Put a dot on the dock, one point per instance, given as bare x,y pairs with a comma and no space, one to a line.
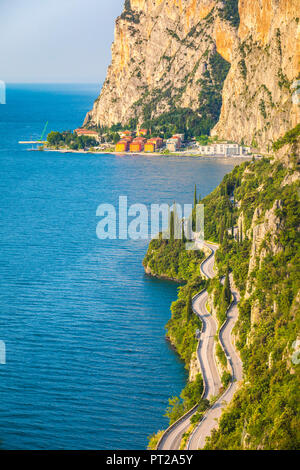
32,142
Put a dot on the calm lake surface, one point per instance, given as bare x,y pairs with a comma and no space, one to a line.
87,363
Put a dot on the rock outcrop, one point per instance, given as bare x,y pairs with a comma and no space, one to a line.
263,235
259,100
176,54
165,54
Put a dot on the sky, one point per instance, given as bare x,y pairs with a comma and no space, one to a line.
56,41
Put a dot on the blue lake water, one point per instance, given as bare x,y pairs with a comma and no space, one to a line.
87,366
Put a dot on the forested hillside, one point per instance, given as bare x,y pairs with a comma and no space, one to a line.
254,216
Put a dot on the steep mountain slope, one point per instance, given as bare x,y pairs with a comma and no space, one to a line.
181,59
168,55
258,203
257,96
265,264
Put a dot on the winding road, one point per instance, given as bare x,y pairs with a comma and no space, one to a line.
209,421
171,439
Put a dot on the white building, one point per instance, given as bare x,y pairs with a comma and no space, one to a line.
173,144
224,149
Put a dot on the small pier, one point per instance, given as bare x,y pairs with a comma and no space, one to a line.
42,142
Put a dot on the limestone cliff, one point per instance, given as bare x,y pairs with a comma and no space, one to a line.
166,55
258,105
171,55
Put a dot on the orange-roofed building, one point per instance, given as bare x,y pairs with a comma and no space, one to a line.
87,133
136,146
142,132
128,139
150,147
180,136
122,146
158,141
124,134
178,139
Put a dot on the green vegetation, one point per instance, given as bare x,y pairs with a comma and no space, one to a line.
181,328
243,68
278,41
130,15
226,378
203,406
154,439
185,120
70,140
226,294
283,81
230,12
210,97
127,5
290,137
178,120
170,259
206,140
221,355
190,396
265,411
262,108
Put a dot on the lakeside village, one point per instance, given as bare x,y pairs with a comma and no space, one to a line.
141,142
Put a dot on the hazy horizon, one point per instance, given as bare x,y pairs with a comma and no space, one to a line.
54,83
56,41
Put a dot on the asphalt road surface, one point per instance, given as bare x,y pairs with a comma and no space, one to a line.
173,436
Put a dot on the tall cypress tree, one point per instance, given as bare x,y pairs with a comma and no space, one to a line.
232,226
225,239
189,307
221,232
194,212
172,230
169,223
226,288
183,237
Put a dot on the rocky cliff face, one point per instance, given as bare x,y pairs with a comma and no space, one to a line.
176,54
166,54
265,226
257,96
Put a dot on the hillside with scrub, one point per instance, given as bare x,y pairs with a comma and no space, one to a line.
254,217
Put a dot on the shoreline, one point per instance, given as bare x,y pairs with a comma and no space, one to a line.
146,154
162,277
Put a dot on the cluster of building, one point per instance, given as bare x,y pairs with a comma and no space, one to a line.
224,149
139,143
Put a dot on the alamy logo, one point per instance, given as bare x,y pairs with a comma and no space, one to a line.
136,222
2,92
2,353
